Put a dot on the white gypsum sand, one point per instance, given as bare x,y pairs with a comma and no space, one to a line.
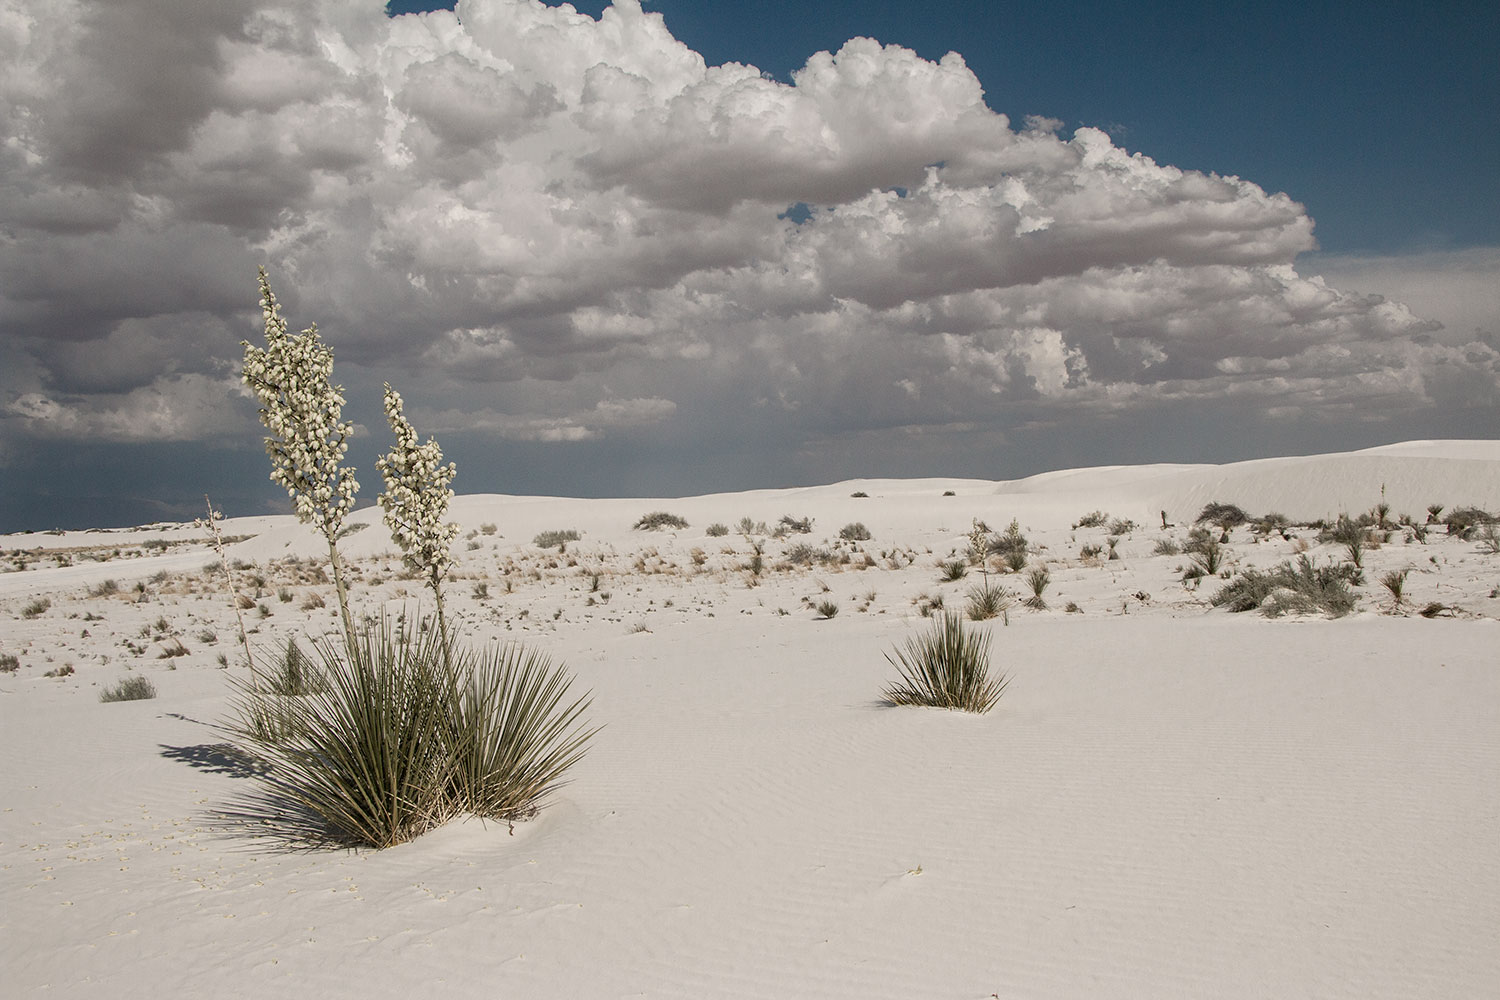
1169,800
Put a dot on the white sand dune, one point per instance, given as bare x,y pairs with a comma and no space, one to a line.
1169,801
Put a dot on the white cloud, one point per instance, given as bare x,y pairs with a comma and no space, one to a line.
584,217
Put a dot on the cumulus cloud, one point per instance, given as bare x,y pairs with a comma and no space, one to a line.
582,218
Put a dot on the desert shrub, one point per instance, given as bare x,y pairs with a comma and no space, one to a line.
66,670
1037,580
1464,521
1435,608
36,608
284,595
1166,547
556,539
171,649
1198,539
717,530
402,738
1121,526
657,520
132,688
827,609
1434,512
1489,539
104,588
1093,519
803,554
487,529
794,525
1273,522
946,668
1010,541
312,601
1090,552
985,602
9,663
855,531
1208,559
860,495
949,493
952,570
1395,583
1303,588
1225,515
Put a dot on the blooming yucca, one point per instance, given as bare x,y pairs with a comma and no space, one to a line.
308,437
416,500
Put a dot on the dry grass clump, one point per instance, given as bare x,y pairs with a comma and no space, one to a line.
855,531
657,520
408,731
132,688
946,668
556,539
1300,589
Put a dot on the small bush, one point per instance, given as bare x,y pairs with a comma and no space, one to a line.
657,520
985,602
132,688
9,663
171,649
953,570
1208,558
1395,583
412,730
556,539
1464,521
1090,552
487,529
284,595
795,525
104,588
36,608
312,602
1166,547
855,531
860,495
1291,589
717,530
1489,539
1037,580
1093,519
947,668
1121,527
827,609
1225,515
1011,542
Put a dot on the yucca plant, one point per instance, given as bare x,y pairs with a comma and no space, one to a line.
986,602
1395,583
946,668
403,738
1038,579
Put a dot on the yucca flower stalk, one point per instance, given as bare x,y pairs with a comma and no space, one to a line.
415,501
303,410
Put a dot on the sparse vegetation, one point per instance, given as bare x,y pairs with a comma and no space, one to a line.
946,668
657,520
1303,588
1038,580
1225,515
827,609
1166,547
854,532
556,539
953,570
1395,583
986,602
133,688
1093,519
717,530
9,663
401,739
36,608
795,525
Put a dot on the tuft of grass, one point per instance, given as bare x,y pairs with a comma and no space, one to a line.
1395,583
827,609
1207,558
104,588
1303,588
132,688
1037,580
1093,519
986,602
657,520
952,570
36,608
946,668
556,539
411,730
1166,547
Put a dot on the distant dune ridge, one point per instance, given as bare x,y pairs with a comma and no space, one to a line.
1169,799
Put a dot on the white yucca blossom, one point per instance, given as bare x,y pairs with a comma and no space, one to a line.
303,411
416,497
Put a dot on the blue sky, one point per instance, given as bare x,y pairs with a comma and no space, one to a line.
597,260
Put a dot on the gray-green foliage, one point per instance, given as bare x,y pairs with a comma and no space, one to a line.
133,688
947,667
657,520
402,738
986,602
555,539
855,531
1303,588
